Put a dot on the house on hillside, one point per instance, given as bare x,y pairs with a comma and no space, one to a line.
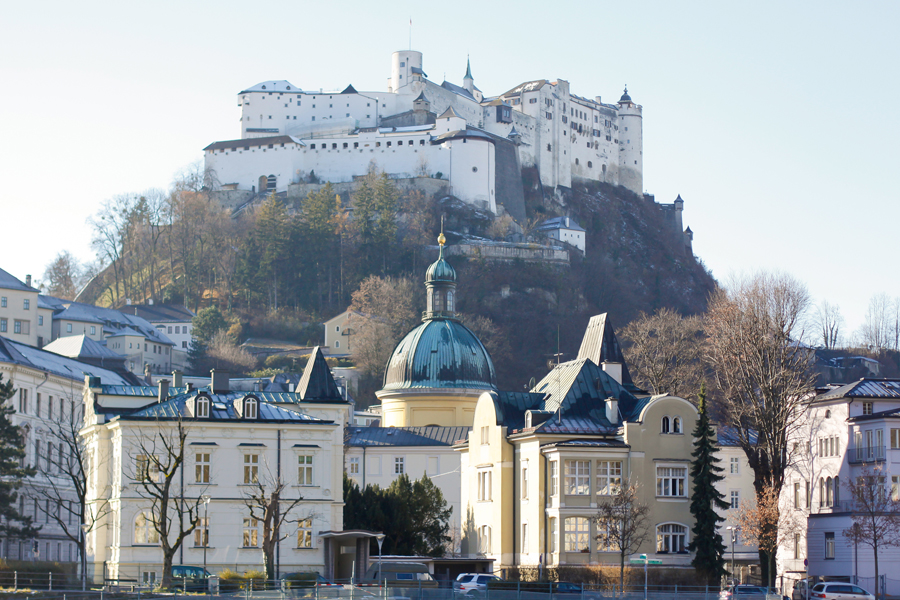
19,310
564,229
339,332
174,320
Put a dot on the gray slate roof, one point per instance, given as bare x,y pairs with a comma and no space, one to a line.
864,388
160,313
81,346
560,223
112,320
221,409
404,436
457,90
9,282
146,391
29,356
600,344
317,384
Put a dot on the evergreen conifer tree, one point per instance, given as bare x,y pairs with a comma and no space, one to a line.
706,543
12,455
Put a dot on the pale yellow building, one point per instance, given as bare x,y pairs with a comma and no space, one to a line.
537,464
18,309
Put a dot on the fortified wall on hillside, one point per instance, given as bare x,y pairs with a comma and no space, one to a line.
479,144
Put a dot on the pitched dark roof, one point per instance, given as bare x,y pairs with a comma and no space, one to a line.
82,347
29,356
350,90
457,90
404,436
160,313
221,409
450,112
610,443
600,344
468,70
9,282
864,388
421,96
246,143
317,384
883,414
560,223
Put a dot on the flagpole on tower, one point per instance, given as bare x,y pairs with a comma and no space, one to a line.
410,33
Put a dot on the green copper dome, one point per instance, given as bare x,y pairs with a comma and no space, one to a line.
440,353
440,270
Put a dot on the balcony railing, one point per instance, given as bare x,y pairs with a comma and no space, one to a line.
866,454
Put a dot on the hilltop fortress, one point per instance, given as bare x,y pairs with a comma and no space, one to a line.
478,145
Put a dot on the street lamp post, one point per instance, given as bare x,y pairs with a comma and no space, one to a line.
205,499
733,531
380,538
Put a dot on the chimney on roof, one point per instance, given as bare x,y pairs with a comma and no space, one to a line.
190,386
614,370
28,280
220,381
163,390
177,381
612,410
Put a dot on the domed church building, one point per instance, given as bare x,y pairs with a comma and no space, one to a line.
438,371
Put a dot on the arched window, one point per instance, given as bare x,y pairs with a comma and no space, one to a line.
590,165
250,408
202,407
438,301
829,492
144,532
837,490
450,300
822,491
665,425
271,183
676,425
671,537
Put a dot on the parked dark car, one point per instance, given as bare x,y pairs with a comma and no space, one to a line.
185,577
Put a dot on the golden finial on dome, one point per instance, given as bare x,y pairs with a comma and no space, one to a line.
441,239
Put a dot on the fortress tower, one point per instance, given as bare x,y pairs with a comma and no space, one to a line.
631,145
404,64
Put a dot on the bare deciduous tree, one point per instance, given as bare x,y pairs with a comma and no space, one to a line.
389,309
623,524
762,369
665,352
877,330
267,505
63,486
63,277
158,455
875,514
829,321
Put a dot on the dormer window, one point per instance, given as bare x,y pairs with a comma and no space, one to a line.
202,407
250,408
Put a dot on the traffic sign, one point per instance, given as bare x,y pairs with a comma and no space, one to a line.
640,561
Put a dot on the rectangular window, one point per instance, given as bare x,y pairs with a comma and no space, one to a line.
524,538
251,469
304,533
829,545
37,404
201,533
3,301
93,330
895,488
525,483
808,494
554,477
554,534
735,499
578,534
797,494
670,481
735,465
399,465
609,477
40,320
354,465
895,439
305,469
796,545
578,477
26,304
867,408
201,468
484,485
251,532
3,325
671,538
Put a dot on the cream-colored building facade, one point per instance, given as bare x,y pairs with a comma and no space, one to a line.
537,464
18,309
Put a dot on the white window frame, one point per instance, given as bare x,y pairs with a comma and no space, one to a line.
735,465
144,532
667,538
525,481
578,477
354,465
554,478
250,533
305,533
399,465
485,476
484,539
202,465
251,468
306,469
201,531
202,404
554,534
609,477
577,535
671,479
735,499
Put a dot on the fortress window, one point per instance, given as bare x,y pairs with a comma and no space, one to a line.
334,146
270,116
348,114
331,106
548,147
378,144
356,144
313,118
312,146
421,142
389,144
474,169
402,64
590,165
345,144
576,161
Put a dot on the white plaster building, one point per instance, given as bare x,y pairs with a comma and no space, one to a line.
233,439
846,431
737,487
564,229
172,320
287,134
48,391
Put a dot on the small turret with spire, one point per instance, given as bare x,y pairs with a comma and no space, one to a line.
468,80
440,283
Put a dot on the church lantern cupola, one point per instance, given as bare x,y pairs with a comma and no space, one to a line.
440,283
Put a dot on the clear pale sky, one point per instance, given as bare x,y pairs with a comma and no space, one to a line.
777,122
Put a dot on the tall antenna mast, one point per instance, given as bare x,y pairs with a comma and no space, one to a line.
410,33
